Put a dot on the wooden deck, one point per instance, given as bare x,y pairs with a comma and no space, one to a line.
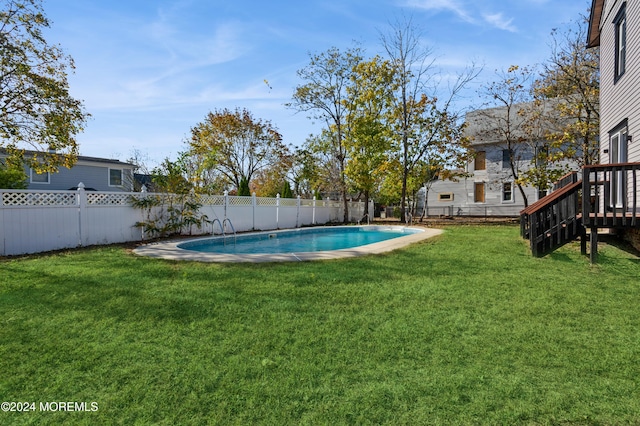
606,197
613,195
618,220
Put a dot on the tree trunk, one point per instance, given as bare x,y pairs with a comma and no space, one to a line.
403,210
366,203
405,176
524,196
425,205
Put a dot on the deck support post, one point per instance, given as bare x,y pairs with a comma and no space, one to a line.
583,241
593,258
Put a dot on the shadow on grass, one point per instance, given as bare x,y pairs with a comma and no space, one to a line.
621,244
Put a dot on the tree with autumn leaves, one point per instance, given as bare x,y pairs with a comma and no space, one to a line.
368,142
323,95
572,76
37,112
237,146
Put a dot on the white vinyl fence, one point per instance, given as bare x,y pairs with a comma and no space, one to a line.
37,221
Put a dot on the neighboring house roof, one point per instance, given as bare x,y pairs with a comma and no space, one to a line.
593,34
488,125
104,160
80,158
102,174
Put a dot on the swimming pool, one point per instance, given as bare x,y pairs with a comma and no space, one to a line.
298,240
324,242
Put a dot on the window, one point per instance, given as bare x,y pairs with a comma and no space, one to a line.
618,150
445,196
480,161
620,23
542,155
506,159
40,177
507,191
542,193
115,177
478,193
618,143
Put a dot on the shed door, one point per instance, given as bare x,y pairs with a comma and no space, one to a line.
479,193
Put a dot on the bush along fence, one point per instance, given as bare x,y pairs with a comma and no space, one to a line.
37,221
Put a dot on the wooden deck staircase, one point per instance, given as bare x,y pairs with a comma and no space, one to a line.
556,219
607,197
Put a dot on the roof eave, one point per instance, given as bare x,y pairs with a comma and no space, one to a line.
593,34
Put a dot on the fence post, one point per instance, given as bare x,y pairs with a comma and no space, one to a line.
226,203
143,190
298,212
254,204
3,247
313,211
82,214
278,211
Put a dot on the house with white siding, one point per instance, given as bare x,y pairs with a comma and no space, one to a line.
100,174
614,28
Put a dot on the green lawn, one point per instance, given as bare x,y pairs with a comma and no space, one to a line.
466,328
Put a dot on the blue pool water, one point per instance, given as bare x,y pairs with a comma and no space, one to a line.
298,240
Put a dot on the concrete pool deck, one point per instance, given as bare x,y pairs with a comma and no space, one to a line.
169,250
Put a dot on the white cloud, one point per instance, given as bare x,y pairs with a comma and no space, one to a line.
497,20
466,11
454,6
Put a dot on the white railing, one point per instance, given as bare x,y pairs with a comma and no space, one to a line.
37,221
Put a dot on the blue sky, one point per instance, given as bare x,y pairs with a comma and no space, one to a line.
148,71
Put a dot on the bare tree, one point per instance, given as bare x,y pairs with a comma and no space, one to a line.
507,123
426,128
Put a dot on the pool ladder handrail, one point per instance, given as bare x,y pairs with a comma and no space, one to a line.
367,216
224,222
409,219
213,228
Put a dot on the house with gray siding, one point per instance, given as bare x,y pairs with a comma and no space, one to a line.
487,187
100,174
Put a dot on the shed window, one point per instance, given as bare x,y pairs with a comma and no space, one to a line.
40,177
478,193
506,159
115,177
445,196
507,191
542,155
480,161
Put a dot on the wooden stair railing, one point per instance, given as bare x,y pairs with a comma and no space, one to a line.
568,179
554,220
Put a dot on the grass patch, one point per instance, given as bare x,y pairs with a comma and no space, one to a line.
465,328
